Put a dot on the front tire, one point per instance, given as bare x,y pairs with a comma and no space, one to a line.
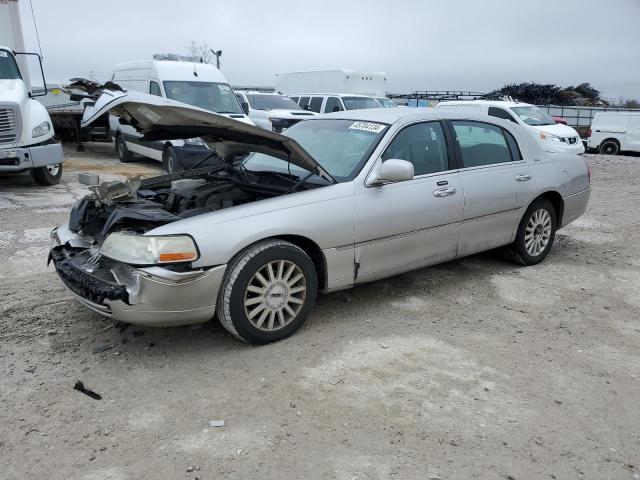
609,147
123,152
268,291
47,176
536,233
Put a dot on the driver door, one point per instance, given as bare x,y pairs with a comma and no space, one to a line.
405,225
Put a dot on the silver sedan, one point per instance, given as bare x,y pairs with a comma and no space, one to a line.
265,221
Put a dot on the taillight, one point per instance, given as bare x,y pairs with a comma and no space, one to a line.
589,134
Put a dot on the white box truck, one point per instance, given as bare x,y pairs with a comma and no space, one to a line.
333,81
26,131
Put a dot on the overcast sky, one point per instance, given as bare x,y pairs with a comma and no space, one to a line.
474,45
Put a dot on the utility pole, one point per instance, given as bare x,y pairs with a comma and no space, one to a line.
218,54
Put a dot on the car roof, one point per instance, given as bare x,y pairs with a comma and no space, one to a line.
493,103
392,115
171,70
256,92
331,95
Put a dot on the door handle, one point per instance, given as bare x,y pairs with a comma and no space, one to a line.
523,177
444,192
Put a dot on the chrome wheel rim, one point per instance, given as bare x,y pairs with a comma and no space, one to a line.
53,169
538,232
275,295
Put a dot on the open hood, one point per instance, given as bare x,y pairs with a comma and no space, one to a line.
158,118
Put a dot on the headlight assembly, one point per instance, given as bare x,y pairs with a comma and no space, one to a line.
41,129
149,250
549,137
193,141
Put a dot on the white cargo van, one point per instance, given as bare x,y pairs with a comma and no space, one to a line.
270,110
198,84
552,136
613,132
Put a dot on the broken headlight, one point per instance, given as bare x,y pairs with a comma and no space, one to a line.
149,250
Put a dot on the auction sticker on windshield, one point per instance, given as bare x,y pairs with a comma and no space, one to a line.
367,126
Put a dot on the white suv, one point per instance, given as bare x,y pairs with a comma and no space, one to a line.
334,102
554,137
271,111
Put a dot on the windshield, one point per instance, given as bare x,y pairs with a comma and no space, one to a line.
216,97
358,103
271,102
386,103
8,68
533,116
339,146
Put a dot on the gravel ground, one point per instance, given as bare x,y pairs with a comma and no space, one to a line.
473,369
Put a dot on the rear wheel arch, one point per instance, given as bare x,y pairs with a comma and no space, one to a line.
557,201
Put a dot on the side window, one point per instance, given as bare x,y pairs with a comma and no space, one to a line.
154,88
304,101
422,144
295,99
332,105
481,143
513,147
501,113
315,104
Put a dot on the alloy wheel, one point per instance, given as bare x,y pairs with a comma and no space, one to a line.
538,232
275,295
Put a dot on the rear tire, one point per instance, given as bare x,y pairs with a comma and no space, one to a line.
47,176
609,147
536,233
123,152
267,293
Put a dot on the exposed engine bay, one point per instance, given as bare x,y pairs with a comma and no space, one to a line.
138,206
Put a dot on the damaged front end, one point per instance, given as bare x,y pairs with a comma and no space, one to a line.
107,255
106,258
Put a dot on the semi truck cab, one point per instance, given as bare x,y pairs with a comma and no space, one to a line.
26,131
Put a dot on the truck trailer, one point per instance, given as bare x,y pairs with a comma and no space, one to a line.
333,81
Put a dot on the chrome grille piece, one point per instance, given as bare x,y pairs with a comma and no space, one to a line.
7,125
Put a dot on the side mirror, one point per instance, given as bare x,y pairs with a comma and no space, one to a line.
245,107
392,171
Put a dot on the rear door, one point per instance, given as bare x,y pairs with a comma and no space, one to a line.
632,137
497,184
402,226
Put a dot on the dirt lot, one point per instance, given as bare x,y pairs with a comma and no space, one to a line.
474,369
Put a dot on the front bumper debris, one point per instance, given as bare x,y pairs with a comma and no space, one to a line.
84,284
151,296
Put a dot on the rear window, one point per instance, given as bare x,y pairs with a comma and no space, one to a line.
481,143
